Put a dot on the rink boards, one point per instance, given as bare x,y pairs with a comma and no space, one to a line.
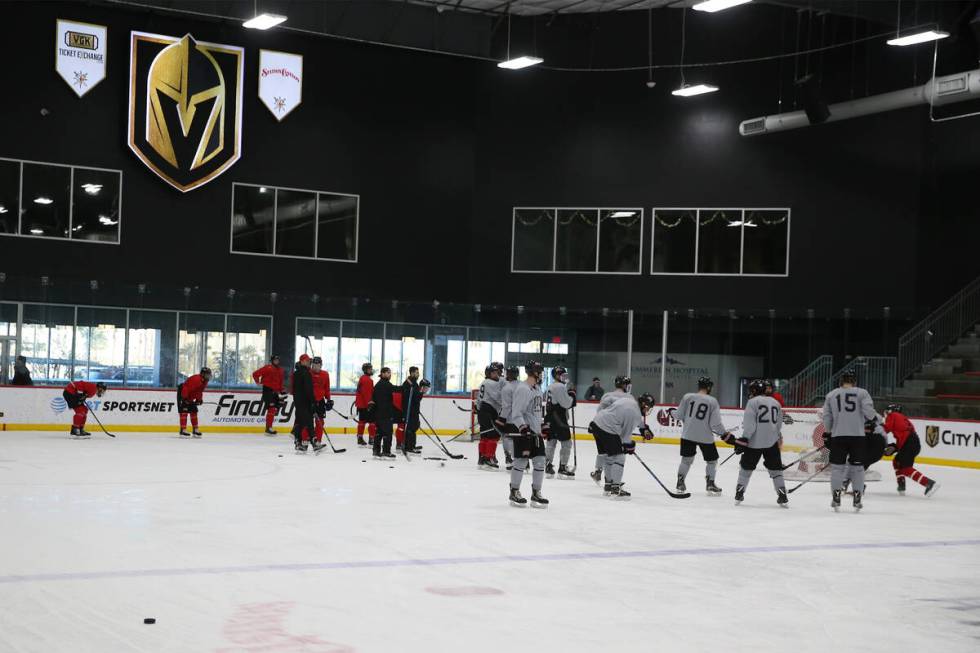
944,442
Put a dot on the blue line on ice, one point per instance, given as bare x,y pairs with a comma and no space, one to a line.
470,560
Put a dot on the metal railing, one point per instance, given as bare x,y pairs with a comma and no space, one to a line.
939,330
876,374
800,389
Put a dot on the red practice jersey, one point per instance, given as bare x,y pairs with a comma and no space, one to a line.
321,385
193,389
81,387
270,376
778,397
899,425
365,390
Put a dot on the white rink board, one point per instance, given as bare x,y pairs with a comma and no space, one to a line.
944,442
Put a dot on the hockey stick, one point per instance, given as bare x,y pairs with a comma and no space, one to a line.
806,480
433,458
465,410
330,442
804,456
574,444
675,495
439,442
351,409
99,422
342,416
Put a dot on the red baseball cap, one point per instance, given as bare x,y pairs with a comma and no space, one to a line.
304,358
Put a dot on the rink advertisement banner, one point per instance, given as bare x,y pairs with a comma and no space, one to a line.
43,408
185,107
80,54
280,81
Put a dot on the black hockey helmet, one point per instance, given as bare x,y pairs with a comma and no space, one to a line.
425,383
622,381
895,408
849,376
534,368
206,371
513,372
705,383
488,370
367,368
557,371
317,360
646,402
757,388
100,388
498,366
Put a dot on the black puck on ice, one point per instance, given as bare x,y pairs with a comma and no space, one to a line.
391,466
280,455
149,620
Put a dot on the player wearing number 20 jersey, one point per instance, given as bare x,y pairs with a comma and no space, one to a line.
701,416
762,426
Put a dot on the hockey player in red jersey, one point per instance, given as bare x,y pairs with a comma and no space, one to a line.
321,398
907,446
190,395
75,394
365,390
272,379
771,392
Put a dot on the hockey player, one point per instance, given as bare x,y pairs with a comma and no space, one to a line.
613,431
365,389
502,423
558,401
488,412
382,407
323,404
272,378
623,384
411,397
190,395
528,442
701,417
762,426
906,447
876,441
304,404
845,411
75,394
771,392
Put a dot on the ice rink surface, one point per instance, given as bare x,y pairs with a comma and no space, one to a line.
231,547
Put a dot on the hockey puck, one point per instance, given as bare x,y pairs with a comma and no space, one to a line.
363,461
391,466
442,464
149,620
280,455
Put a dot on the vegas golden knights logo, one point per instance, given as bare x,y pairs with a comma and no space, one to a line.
932,435
185,107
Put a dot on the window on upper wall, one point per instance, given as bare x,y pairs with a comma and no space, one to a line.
737,242
577,240
295,223
48,200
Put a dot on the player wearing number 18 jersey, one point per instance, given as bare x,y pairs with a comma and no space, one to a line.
702,421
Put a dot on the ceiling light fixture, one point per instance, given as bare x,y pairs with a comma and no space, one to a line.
688,90
516,63
918,37
36,231
711,6
3,209
92,189
264,21
43,200
622,214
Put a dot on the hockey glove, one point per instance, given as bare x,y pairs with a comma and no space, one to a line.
525,430
826,439
629,447
740,446
591,427
571,393
890,449
329,405
646,432
198,402
727,438
545,431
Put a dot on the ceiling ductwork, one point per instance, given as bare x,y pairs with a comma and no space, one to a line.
947,89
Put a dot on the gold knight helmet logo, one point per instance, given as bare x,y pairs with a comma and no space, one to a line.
932,435
185,107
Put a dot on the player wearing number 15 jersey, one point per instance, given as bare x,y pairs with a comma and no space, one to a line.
845,413
701,415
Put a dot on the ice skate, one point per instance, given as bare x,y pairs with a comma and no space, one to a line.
607,489
516,499
857,502
931,488
195,433
271,432
184,434
301,447
782,499
681,486
739,494
596,476
901,485
78,434
619,493
835,500
388,455
712,489
549,471
565,473
318,447
538,501
361,442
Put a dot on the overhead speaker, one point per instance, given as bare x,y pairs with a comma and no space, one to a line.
814,104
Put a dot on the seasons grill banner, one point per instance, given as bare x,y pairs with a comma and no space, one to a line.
43,408
185,107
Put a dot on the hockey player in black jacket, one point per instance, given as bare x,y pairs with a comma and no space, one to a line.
383,408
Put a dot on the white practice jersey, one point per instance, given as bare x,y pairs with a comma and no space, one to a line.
846,410
610,398
701,415
621,418
762,422
507,397
526,408
489,394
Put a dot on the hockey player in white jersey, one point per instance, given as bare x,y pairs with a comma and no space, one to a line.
762,425
613,429
502,423
487,412
525,414
558,401
701,417
845,412
623,386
